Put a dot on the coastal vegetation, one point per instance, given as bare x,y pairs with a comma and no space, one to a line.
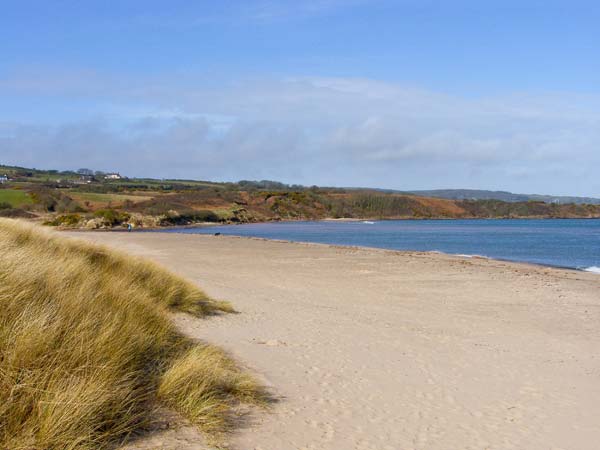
88,353
91,200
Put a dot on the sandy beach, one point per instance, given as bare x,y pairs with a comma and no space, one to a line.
382,350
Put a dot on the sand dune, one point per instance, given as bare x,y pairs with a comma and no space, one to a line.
371,349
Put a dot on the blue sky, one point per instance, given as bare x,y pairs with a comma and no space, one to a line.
397,94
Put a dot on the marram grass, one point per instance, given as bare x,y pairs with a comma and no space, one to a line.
87,350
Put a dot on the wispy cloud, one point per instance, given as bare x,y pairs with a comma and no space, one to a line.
315,130
259,12
273,10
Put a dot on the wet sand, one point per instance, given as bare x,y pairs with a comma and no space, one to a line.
375,349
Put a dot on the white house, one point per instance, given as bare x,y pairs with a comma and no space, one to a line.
3,179
112,176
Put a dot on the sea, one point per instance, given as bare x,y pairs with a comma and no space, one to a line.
568,243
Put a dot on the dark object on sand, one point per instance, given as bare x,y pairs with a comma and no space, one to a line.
217,234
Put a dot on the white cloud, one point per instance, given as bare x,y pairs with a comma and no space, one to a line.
314,130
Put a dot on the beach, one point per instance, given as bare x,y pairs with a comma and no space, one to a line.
377,349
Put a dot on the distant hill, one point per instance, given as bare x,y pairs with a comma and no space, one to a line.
95,199
475,194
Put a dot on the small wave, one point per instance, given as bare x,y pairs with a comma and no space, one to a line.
368,222
471,256
593,269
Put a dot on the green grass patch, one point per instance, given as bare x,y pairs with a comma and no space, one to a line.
97,197
14,197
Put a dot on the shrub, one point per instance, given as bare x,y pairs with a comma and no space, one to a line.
112,217
189,216
66,220
53,201
68,205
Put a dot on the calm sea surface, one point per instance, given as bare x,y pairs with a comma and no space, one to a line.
573,243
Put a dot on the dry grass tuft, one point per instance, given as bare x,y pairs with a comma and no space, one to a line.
87,350
198,383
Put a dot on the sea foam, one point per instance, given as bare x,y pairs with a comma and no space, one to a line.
594,269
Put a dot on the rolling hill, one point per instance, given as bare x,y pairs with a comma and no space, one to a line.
92,200
476,194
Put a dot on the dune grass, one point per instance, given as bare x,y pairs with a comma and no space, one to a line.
87,350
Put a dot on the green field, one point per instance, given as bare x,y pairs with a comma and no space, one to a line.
15,198
99,199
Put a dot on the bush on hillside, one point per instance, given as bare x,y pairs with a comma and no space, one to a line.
188,217
66,220
112,217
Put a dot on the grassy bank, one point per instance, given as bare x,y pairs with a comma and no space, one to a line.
87,351
13,198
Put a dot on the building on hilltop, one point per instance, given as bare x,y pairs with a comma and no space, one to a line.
86,179
112,176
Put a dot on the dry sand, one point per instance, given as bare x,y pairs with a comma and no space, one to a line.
373,349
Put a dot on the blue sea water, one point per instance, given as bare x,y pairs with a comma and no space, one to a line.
572,243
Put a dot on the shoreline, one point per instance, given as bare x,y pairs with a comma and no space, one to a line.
408,251
327,219
400,252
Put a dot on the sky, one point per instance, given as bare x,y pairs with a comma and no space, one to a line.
400,94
